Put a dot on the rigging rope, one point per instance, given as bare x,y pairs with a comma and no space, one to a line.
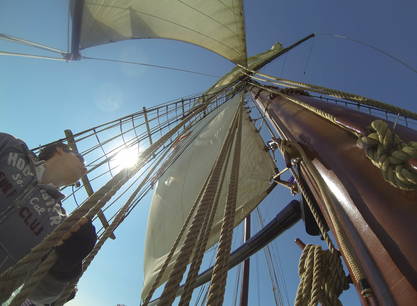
30,43
347,250
12,277
168,295
270,264
110,229
202,240
218,279
149,65
32,56
385,149
332,92
357,273
173,248
175,245
409,67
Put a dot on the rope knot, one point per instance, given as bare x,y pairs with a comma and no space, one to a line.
392,155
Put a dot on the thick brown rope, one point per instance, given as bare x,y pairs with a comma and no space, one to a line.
202,241
161,272
390,154
12,277
345,246
218,280
109,230
357,272
339,94
168,295
37,275
318,281
310,289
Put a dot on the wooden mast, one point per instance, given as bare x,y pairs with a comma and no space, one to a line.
379,220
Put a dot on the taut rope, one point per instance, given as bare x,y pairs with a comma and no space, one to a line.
218,280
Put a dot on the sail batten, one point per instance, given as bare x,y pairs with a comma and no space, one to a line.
214,25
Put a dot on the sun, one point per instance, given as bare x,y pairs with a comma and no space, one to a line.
125,158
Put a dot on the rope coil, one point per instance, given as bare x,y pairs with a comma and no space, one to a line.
389,153
321,280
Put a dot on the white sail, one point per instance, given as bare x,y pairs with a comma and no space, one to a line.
215,25
178,188
253,63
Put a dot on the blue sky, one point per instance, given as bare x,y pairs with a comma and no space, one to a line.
39,99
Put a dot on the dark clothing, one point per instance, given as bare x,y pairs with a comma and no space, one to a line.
29,211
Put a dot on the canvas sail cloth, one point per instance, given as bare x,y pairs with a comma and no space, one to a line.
253,63
215,25
179,186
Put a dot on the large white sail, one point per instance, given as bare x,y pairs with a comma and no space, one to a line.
215,25
178,188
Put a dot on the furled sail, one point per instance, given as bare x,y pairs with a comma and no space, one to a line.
178,188
214,25
253,63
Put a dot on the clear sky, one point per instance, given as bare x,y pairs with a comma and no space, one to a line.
40,99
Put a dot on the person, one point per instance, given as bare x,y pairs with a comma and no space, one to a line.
30,209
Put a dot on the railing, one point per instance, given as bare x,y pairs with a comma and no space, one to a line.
375,111
108,147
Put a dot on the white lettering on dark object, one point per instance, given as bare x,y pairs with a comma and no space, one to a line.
46,197
17,178
12,159
36,207
39,210
55,220
19,163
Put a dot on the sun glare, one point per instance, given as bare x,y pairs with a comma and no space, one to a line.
126,158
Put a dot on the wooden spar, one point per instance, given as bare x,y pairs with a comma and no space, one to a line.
244,293
86,182
379,220
147,125
285,219
77,14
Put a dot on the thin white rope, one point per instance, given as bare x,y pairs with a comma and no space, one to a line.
398,60
31,56
148,65
30,43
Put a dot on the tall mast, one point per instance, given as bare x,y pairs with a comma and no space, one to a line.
373,218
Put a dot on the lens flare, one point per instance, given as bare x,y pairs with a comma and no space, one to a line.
125,158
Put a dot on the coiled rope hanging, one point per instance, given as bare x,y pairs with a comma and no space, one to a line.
384,148
311,260
321,281
389,153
